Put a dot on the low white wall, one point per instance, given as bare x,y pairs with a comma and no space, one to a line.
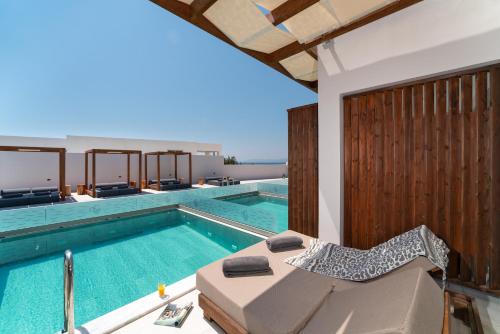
29,169
252,172
431,37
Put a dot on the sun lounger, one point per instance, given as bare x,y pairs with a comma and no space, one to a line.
28,196
288,300
407,302
221,181
113,189
168,184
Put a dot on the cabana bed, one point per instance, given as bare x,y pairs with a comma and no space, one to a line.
36,195
111,189
292,300
221,181
168,183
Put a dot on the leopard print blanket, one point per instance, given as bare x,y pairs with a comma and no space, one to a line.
361,265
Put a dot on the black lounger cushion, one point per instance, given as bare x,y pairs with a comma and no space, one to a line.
8,202
42,193
110,185
43,189
13,195
15,191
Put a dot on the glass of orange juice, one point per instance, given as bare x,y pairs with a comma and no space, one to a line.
161,289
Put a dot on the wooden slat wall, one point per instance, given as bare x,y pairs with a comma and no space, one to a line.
428,153
303,169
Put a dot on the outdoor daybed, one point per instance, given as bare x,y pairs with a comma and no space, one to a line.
28,196
168,184
113,189
221,181
292,300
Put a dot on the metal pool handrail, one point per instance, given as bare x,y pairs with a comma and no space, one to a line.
69,306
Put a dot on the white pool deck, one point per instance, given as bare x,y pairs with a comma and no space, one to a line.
74,198
195,323
86,198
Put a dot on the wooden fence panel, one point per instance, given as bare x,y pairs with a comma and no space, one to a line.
347,169
428,153
303,169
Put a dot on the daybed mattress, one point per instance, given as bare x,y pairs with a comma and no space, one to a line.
408,302
284,301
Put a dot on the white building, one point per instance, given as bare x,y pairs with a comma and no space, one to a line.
31,169
80,144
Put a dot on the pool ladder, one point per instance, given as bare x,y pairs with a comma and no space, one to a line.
69,305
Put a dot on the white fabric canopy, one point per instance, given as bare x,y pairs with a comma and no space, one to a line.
248,27
311,23
245,24
301,66
347,10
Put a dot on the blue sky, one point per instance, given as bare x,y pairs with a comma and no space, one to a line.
128,68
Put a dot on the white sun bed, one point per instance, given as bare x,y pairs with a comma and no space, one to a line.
292,299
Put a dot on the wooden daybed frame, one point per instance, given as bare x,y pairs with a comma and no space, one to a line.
62,161
94,152
158,154
458,307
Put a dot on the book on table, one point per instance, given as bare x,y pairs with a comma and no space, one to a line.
174,314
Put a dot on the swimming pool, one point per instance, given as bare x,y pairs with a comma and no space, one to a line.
116,262
277,206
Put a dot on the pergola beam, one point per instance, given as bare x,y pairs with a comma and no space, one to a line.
296,47
288,9
200,6
312,53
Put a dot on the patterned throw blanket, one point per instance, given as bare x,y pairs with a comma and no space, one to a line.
361,265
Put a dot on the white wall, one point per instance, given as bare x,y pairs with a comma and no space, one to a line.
27,169
431,37
252,172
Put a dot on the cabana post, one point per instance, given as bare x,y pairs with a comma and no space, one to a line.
62,161
157,185
93,192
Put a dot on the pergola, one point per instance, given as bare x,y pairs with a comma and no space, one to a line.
62,160
282,34
158,154
96,151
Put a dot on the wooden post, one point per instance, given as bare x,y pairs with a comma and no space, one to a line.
62,173
93,174
190,170
128,169
175,165
158,174
494,282
86,170
140,170
145,170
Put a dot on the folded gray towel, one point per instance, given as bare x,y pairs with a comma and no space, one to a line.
283,243
245,265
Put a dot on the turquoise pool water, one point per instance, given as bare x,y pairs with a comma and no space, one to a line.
130,257
277,206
